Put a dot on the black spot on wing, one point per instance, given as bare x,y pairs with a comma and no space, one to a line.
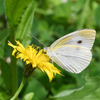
79,42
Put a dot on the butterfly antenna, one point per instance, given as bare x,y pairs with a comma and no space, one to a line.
37,40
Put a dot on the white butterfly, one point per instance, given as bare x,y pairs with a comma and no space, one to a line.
72,51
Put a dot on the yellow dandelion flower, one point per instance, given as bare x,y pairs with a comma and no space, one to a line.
34,57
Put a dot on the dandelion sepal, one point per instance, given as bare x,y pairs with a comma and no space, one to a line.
28,69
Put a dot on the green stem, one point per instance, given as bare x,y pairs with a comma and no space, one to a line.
19,89
13,63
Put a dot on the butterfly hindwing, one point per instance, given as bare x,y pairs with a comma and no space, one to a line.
71,58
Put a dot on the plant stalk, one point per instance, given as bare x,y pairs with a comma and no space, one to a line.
19,89
13,63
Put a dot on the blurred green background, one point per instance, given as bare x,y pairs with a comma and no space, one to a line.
53,19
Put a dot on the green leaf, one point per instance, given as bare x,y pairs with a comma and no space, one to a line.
24,28
6,74
3,95
63,10
78,5
2,8
92,84
93,96
67,92
35,87
14,10
55,2
3,92
97,15
3,36
84,14
28,96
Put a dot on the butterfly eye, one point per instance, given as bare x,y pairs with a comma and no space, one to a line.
79,42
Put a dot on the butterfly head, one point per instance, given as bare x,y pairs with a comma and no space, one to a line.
45,49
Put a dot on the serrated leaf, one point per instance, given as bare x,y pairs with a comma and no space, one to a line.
6,74
23,30
14,10
92,84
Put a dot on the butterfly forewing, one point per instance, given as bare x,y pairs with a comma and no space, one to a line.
71,58
84,38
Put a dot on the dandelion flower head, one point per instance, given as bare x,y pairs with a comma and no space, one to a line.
35,56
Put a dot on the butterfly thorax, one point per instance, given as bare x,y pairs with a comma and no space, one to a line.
48,51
